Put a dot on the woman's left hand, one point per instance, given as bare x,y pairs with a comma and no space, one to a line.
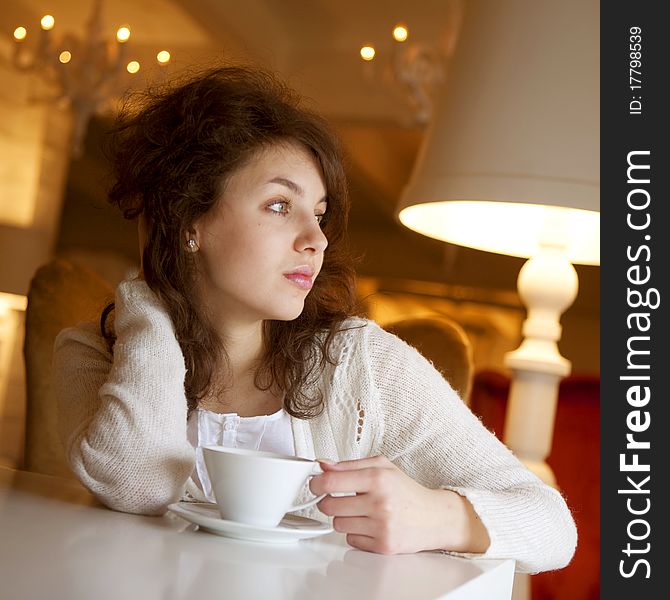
393,514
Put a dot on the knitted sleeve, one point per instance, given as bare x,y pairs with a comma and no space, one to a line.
122,418
432,436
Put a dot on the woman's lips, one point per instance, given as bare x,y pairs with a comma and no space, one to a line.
301,277
303,281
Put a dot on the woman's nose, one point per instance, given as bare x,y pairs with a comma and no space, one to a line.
311,236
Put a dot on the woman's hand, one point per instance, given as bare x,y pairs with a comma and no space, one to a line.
393,514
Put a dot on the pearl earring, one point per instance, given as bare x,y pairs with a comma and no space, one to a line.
192,245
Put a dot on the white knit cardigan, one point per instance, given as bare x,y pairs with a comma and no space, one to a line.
122,420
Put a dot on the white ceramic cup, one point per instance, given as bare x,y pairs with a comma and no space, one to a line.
257,488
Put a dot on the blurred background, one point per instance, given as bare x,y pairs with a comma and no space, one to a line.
56,107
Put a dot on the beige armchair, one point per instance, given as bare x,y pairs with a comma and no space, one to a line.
444,343
61,294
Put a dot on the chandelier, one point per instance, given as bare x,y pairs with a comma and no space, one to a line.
415,69
81,75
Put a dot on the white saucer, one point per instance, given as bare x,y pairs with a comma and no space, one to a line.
290,529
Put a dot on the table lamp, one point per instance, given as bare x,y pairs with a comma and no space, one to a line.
510,164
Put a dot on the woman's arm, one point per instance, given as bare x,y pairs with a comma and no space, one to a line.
393,514
122,418
444,476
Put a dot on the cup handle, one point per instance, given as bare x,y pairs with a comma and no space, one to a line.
313,501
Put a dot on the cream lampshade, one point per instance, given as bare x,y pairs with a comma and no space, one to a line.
510,164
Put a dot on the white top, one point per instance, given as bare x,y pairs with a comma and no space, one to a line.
270,433
123,424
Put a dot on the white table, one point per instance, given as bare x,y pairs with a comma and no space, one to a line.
57,542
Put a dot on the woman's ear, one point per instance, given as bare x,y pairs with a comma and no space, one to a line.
192,240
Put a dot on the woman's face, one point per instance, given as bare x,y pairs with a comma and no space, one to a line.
261,247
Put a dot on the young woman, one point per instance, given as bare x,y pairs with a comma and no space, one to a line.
239,332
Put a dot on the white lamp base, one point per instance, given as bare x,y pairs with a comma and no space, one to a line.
548,286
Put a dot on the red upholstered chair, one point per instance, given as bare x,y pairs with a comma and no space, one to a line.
575,460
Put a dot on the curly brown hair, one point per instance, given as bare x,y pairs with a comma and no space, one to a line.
172,151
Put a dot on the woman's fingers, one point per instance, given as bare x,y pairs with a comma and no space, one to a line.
360,481
374,535
369,544
359,463
345,506
389,512
355,525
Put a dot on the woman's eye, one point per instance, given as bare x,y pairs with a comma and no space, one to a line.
320,218
279,207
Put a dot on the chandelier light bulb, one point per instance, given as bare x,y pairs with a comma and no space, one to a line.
20,34
367,53
400,33
47,22
163,57
84,71
123,34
